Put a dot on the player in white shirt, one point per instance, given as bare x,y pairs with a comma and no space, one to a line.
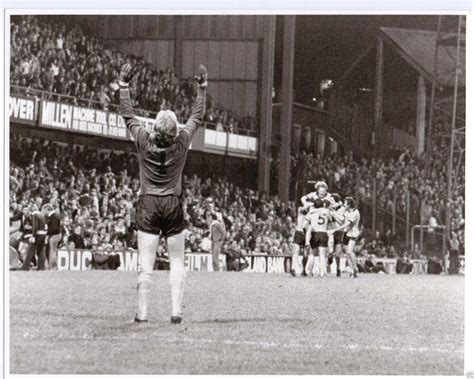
320,193
316,234
352,232
298,242
337,236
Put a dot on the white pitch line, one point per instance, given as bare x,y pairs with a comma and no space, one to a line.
270,344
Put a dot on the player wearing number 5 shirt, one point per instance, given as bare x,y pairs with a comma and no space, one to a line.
161,154
316,234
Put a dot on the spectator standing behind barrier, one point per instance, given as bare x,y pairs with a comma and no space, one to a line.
206,243
54,235
453,254
37,241
15,238
217,237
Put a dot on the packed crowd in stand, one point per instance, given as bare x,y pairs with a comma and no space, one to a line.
97,201
61,59
96,196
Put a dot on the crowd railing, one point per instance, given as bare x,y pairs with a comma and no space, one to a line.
112,107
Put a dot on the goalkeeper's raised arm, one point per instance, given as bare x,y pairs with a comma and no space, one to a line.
165,129
199,108
137,130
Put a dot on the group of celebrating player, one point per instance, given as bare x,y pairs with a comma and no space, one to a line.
324,220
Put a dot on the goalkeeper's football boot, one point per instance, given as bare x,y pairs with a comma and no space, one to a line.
136,320
176,319
293,272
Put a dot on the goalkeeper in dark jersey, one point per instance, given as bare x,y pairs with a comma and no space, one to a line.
162,155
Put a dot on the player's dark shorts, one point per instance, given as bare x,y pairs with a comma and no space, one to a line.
347,239
299,238
318,239
157,214
338,237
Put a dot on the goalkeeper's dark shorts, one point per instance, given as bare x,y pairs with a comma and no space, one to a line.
160,215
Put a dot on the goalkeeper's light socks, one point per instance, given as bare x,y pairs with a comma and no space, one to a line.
143,289
177,273
177,280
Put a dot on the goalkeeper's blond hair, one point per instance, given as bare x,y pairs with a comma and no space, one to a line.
166,128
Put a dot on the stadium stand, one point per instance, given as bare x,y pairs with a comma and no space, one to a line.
96,193
76,68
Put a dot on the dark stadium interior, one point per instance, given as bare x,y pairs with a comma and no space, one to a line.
327,45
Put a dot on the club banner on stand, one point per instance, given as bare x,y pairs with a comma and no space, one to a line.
269,264
97,122
203,262
23,109
82,120
77,260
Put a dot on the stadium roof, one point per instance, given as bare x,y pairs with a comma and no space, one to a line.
418,49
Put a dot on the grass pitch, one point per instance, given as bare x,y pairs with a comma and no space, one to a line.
237,323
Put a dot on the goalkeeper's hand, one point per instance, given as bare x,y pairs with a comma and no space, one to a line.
201,79
126,74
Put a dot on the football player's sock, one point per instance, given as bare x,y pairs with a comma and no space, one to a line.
177,272
305,262
338,263
310,265
352,261
177,280
322,263
294,257
147,244
144,281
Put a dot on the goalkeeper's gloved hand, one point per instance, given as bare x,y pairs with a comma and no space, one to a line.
201,79
126,74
